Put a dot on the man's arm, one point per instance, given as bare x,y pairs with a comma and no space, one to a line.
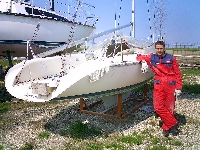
146,58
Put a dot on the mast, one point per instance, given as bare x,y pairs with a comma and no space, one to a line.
133,19
115,16
52,5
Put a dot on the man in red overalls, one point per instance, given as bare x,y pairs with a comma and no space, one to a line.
167,84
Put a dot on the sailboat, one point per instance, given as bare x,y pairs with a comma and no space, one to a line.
106,68
21,21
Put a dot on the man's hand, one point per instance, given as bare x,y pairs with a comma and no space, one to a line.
144,68
177,92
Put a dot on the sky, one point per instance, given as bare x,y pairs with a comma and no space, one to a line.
181,23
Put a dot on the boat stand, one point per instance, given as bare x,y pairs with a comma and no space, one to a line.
117,111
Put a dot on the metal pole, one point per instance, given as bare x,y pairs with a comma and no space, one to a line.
119,105
27,48
52,5
121,50
63,47
115,17
10,10
133,18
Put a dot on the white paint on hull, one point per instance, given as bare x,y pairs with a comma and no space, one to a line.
23,28
18,21
76,82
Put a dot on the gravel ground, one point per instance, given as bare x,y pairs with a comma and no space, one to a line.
25,121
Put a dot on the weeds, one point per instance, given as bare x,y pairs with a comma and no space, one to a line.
158,148
1,147
155,140
114,145
44,134
63,133
4,107
27,146
94,146
191,88
176,143
80,130
190,72
134,138
5,63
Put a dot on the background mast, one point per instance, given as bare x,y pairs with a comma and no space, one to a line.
133,19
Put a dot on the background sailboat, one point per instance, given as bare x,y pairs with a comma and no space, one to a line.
21,21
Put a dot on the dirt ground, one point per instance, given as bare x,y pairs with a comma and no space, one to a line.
186,57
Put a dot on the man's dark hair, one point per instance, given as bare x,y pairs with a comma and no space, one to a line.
160,43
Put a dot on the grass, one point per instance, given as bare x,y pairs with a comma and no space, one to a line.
158,147
4,107
44,134
27,146
80,130
176,143
189,82
121,142
135,138
94,146
183,49
5,63
191,72
114,145
1,147
5,66
191,88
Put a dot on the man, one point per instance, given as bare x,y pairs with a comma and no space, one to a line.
167,85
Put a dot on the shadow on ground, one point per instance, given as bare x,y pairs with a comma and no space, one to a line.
69,119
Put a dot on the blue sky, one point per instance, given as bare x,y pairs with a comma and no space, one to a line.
182,23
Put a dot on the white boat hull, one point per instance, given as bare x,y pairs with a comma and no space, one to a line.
83,79
21,21
16,30
23,28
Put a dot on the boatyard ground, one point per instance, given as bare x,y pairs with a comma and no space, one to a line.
58,125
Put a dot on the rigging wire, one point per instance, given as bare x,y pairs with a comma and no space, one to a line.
151,29
29,46
71,35
119,15
120,9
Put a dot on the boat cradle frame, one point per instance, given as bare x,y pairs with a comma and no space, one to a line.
117,110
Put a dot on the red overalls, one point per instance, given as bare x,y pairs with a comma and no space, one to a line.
167,78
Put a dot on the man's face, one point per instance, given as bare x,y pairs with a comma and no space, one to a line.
160,50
